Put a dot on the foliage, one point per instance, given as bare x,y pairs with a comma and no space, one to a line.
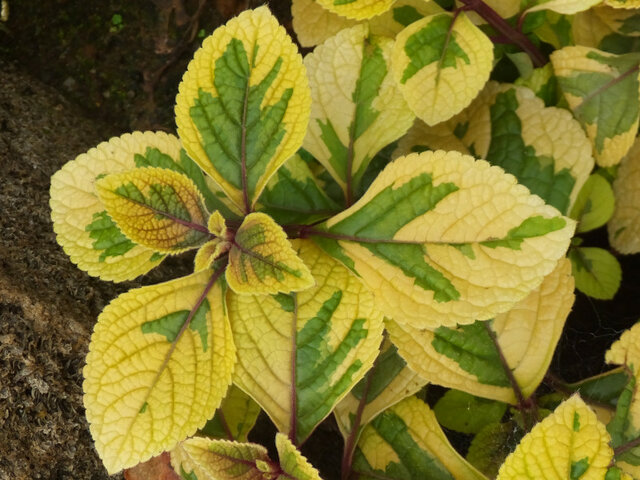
329,278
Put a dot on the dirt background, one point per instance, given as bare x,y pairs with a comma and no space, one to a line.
72,74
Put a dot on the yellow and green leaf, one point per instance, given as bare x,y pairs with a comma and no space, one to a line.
262,261
589,30
357,108
441,63
597,272
293,464
627,4
300,354
155,207
602,90
569,444
235,417
594,205
624,226
243,104
356,9
160,361
444,239
405,441
564,7
83,228
466,358
208,253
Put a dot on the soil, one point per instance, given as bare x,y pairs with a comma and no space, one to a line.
72,74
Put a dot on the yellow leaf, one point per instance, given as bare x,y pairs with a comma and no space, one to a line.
357,108
313,23
156,207
262,261
564,7
249,77
208,253
624,226
82,226
159,364
293,463
527,335
300,354
623,3
619,20
568,444
589,29
441,63
357,9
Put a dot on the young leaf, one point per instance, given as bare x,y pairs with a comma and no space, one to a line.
462,412
155,207
235,417
624,226
294,195
356,9
443,239
441,63
300,354
406,441
210,251
466,358
243,104
83,228
159,364
357,108
594,205
262,261
294,465
597,272
602,91
569,444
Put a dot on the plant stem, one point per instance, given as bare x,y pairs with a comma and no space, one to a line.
503,27
626,447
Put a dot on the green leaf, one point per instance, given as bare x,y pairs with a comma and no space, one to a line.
491,446
594,205
235,417
465,413
604,388
597,272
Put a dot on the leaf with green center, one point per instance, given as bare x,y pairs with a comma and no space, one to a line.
441,63
243,104
235,417
83,228
597,272
462,412
159,364
261,259
602,90
294,195
624,226
465,358
356,9
428,266
568,444
406,442
300,354
594,205
357,108
156,207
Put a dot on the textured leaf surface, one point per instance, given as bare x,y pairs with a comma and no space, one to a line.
357,108
602,91
155,207
462,412
159,364
594,205
261,259
597,272
82,226
465,358
441,67
545,148
624,226
235,417
568,444
356,9
300,354
406,442
243,104
429,266
293,463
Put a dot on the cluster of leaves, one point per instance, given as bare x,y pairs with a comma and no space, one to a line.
329,278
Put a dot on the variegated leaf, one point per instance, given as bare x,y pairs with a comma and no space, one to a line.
156,207
159,364
243,104
83,228
627,4
406,441
441,63
597,272
594,205
564,7
621,21
262,261
602,90
235,417
466,358
444,239
300,354
624,226
294,465
208,253
357,108
589,30
356,9
568,444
